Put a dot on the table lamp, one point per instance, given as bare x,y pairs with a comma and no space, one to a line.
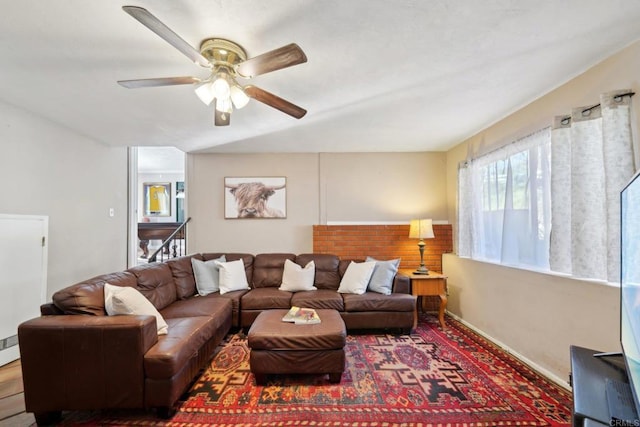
421,229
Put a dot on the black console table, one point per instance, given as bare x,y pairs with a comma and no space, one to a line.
588,376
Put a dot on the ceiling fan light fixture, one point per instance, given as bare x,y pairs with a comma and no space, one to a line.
204,91
239,98
220,86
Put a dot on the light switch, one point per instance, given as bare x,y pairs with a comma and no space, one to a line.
112,212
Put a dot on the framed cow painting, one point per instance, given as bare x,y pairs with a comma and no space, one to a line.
255,197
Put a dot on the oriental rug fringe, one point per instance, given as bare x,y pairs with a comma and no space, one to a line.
431,378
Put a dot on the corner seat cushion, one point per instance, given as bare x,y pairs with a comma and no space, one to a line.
327,274
319,299
155,282
183,275
88,297
197,306
373,301
185,338
233,296
266,299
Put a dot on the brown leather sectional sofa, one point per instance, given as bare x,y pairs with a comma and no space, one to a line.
76,357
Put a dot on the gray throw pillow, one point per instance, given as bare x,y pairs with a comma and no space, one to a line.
382,278
207,275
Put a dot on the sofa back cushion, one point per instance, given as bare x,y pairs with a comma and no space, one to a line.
327,274
247,259
268,269
155,282
88,297
183,275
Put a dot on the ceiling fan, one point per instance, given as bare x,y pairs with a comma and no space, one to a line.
227,61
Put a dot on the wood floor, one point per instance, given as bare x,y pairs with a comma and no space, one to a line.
12,399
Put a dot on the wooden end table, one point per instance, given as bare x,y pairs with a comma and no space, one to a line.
432,284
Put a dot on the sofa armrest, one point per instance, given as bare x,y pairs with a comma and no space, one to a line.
84,362
402,284
50,308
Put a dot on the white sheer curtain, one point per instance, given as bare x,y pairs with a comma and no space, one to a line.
592,160
504,203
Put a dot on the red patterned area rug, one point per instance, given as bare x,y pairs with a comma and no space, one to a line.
450,378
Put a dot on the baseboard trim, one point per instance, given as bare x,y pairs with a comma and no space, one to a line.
542,371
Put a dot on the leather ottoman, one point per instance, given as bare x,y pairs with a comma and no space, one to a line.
279,347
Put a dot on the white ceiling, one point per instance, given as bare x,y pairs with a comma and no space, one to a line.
382,75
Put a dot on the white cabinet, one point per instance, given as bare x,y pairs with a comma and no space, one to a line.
23,276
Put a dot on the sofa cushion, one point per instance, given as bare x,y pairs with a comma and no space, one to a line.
88,297
207,274
373,301
124,300
268,269
183,275
185,339
197,306
356,278
327,274
155,282
234,297
265,299
247,259
296,278
382,278
322,298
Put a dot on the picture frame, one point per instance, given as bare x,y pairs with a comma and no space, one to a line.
156,199
255,197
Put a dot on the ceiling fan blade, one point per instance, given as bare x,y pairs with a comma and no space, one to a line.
154,24
275,101
162,81
283,57
220,118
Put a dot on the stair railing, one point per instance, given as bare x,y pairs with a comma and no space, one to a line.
180,249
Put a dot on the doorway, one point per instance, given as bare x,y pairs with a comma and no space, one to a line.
156,195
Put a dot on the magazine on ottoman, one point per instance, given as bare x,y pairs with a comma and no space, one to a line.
301,316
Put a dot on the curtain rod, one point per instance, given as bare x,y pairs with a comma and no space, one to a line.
465,162
587,111
564,121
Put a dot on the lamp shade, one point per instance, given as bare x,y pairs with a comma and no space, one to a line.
421,229
239,98
205,92
220,86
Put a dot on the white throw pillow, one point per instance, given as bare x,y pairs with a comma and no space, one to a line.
127,300
207,275
356,278
382,278
232,276
295,278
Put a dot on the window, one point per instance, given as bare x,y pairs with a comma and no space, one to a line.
507,197
504,204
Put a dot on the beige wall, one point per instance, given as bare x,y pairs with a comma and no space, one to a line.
49,170
382,186
539,315
208,231
321,188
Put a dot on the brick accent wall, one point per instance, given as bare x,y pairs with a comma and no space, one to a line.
383,242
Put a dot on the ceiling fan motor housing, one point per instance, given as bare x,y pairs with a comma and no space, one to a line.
222,52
